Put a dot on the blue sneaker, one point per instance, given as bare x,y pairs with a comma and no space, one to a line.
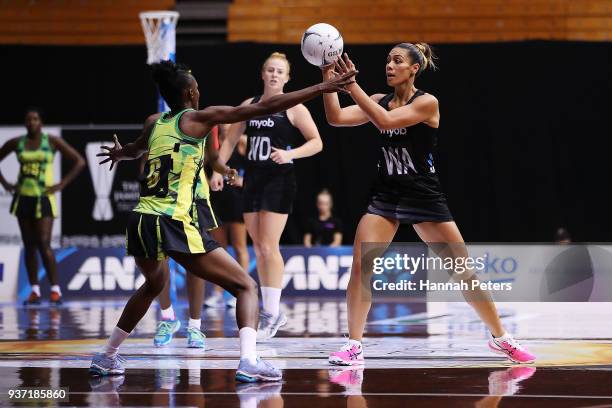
259,372
269,325
165,331
195,338
101,364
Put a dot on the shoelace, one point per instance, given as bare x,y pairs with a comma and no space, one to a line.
514,344
196,332
268,365
163,328
347,347
264,319
121,358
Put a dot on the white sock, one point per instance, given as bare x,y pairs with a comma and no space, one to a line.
503,336
354,342
168,314
271,299
248,344
56,288
114,341
36,289
195,323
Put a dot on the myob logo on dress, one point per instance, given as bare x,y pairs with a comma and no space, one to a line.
261,123
102,180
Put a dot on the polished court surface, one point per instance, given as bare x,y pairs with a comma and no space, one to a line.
423,354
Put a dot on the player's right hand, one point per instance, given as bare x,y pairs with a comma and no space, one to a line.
339,82
216,182
112,154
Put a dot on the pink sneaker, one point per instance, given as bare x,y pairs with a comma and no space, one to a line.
350,354
512,349
348,377
506,382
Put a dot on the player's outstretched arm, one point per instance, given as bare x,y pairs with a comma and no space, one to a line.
335,114
229,114
132,150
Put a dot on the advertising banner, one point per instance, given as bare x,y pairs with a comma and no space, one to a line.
108,272
9,267
98,201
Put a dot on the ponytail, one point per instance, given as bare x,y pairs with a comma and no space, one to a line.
420,53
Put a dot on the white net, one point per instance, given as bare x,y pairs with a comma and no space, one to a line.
160,33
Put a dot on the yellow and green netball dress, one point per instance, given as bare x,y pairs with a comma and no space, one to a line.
162,220
203,214
35,175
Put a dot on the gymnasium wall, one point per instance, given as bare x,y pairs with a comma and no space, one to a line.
457,21
523,142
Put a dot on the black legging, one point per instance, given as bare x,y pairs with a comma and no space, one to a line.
36,236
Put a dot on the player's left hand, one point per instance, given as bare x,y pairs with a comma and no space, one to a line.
238,181
230,175
112,154
281,156
344,64
54,188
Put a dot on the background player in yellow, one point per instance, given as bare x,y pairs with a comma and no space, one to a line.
33,197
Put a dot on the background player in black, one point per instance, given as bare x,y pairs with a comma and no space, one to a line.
269,184
407,189
325,229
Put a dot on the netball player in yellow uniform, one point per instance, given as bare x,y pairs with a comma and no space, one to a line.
33,197
161,224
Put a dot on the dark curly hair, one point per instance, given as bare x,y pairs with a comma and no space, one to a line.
171,79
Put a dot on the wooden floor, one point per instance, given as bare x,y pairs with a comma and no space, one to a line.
423,354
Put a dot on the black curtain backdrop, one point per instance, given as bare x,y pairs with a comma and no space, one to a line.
524,139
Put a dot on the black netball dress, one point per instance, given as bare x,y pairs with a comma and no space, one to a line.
407,187
269,186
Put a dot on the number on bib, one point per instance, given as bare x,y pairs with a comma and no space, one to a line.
156,173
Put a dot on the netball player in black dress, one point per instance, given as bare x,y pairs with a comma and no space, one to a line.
407,188
269,182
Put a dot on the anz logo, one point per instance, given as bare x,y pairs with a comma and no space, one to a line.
315,272
116,274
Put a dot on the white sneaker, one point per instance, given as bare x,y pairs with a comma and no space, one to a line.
269,325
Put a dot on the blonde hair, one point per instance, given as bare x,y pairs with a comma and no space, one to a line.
280,56
420,53
428,55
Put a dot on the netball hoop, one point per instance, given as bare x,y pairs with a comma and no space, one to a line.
160,34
